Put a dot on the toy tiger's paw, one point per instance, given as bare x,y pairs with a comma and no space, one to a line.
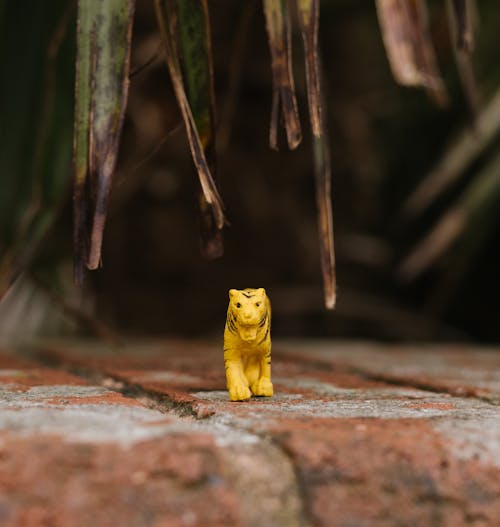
263,388
239,392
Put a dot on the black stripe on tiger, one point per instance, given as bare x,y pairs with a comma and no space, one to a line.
265,336
263,321
248,295
230,323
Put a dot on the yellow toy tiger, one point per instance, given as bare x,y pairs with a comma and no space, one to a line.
247,344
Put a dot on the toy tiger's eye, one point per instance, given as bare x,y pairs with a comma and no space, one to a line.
257,304
238,305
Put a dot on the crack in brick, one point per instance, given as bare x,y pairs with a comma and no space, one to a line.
153,399
287,503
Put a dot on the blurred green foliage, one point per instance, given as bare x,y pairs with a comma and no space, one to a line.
37,51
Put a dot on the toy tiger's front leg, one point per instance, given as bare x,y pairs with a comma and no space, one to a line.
264,386
237,383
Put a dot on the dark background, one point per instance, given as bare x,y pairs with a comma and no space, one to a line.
384,140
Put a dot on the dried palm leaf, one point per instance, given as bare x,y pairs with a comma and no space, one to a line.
279,34
167,21
408,43
102,78
462,35
195,50
462,13
308,16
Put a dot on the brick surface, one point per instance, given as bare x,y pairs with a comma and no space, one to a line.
456,369
380,473
45,481
77,454
357,435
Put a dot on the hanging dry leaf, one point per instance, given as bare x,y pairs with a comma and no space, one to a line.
408,43
197,67
279,34
103,56
167,21
462,11
308,17
462,35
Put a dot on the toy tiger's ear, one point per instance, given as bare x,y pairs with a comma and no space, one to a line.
261,291
232,292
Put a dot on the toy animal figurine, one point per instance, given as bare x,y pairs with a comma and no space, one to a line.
247,344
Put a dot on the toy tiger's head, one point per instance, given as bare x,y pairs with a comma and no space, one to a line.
249,311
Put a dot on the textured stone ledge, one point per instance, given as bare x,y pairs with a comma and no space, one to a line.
357,435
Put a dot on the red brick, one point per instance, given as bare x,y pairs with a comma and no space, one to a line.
387,473
349,417
175,481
